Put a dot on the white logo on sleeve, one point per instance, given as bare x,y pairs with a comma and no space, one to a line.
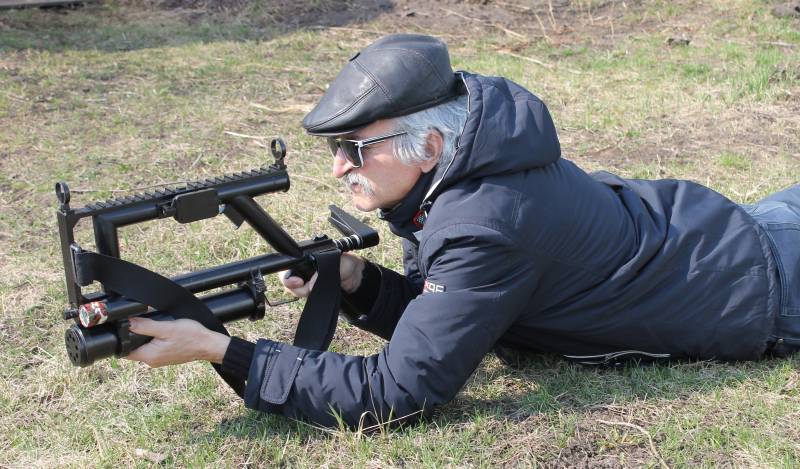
431,287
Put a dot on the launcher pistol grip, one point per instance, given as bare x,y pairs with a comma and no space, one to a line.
305,269
357,235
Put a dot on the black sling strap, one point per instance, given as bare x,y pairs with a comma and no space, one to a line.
314,330
318,321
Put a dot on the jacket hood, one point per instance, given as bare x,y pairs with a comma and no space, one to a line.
508,130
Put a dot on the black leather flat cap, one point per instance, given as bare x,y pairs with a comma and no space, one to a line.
394,76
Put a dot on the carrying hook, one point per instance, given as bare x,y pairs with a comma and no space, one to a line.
278,149
62,193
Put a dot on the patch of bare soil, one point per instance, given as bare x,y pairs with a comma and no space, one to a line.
607,440
756,134
329,13
288,14
556,21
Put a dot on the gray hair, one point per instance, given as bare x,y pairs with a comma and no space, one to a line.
448,118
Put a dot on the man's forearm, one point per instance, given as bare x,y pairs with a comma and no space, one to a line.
217,345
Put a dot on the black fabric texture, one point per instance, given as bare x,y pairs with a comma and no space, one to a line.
394,294
263,354
318,320
361,301
238,357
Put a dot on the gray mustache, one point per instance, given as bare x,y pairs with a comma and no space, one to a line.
360,180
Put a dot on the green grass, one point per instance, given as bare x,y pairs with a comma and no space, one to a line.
734,161
119,96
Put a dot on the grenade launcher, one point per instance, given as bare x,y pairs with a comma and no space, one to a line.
101,326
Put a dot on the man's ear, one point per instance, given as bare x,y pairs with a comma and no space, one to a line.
434,144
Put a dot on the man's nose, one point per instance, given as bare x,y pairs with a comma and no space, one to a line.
341,165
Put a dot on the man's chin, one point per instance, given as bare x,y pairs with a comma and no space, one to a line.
363,204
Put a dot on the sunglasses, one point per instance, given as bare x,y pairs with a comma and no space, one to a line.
351,149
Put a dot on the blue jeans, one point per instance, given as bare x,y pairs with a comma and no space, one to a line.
779,215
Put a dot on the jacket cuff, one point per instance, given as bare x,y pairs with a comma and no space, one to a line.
363,299
238,356
372,320
271,375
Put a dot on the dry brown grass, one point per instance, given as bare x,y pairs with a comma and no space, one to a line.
124,95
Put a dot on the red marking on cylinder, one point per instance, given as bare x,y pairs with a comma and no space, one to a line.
92,314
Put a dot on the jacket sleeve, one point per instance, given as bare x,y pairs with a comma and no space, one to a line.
392,295
394,292
411,266
438,342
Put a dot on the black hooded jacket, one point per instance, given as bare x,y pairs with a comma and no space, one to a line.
522,248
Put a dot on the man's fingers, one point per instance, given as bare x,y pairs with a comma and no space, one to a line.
293,282
144,354
145,326
297,286
305,290
290,282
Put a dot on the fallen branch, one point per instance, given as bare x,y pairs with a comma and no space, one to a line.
342,28
513,5
535,61
529,59
646,433
243,135
552,15
317,181
487,23
259,106
508,31
544,30
778,44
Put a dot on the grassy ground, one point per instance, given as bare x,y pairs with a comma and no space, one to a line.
118,96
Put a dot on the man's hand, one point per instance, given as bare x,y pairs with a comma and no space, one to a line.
176,342
351,268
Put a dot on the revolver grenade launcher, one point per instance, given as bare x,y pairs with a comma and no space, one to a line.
101,326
